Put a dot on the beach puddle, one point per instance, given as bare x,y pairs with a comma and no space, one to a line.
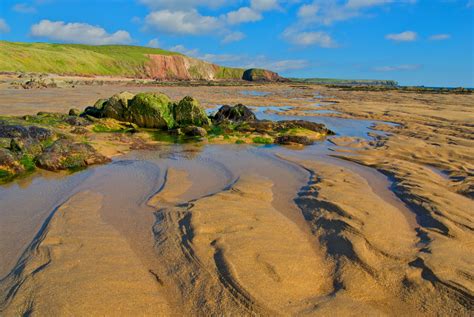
254,93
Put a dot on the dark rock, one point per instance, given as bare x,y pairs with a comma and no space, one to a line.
96,110
267,126
77,121
194,131
293,139
22,132
255,74
65,154
189,112
303,124
238,113
117,106
74,112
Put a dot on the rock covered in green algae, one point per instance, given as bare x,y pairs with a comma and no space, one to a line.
65,154
117,106
293,139
18,131
189,112
74,112
9,165
151,110
194,131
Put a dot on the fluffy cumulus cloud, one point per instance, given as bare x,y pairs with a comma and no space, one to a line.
407,36
4,28
264,5
314,38
183,17
82,33
440,37
243,15
182,22
322,13
407,67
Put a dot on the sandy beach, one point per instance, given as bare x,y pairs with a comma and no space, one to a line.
376,220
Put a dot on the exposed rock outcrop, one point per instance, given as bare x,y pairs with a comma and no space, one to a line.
237,113
66,154
151,110
256,74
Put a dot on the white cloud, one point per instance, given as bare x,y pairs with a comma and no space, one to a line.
4,28
470,4
245,61
407,36
82,33
407,67
233,37
307,11
24,8
243,15
328,12
154,43
182,22
264,5
302,38
183,50
440,37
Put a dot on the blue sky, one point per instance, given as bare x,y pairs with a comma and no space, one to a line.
416,42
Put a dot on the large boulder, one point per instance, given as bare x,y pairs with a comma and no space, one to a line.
117,106
256,74
189,112
65,154
237,113
151,110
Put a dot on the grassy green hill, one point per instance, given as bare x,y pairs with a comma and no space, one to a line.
77,59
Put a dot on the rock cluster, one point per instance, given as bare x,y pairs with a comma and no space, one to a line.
25,147
150,110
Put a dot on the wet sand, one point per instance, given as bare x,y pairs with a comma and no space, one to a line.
364,224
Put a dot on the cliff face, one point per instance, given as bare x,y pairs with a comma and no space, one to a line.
179,67
112,60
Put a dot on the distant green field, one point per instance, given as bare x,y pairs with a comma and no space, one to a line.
334,81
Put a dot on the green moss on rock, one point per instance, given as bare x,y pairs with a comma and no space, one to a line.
151,110
117,106
189,112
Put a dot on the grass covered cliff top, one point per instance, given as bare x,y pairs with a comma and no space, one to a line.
75,59
86,60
